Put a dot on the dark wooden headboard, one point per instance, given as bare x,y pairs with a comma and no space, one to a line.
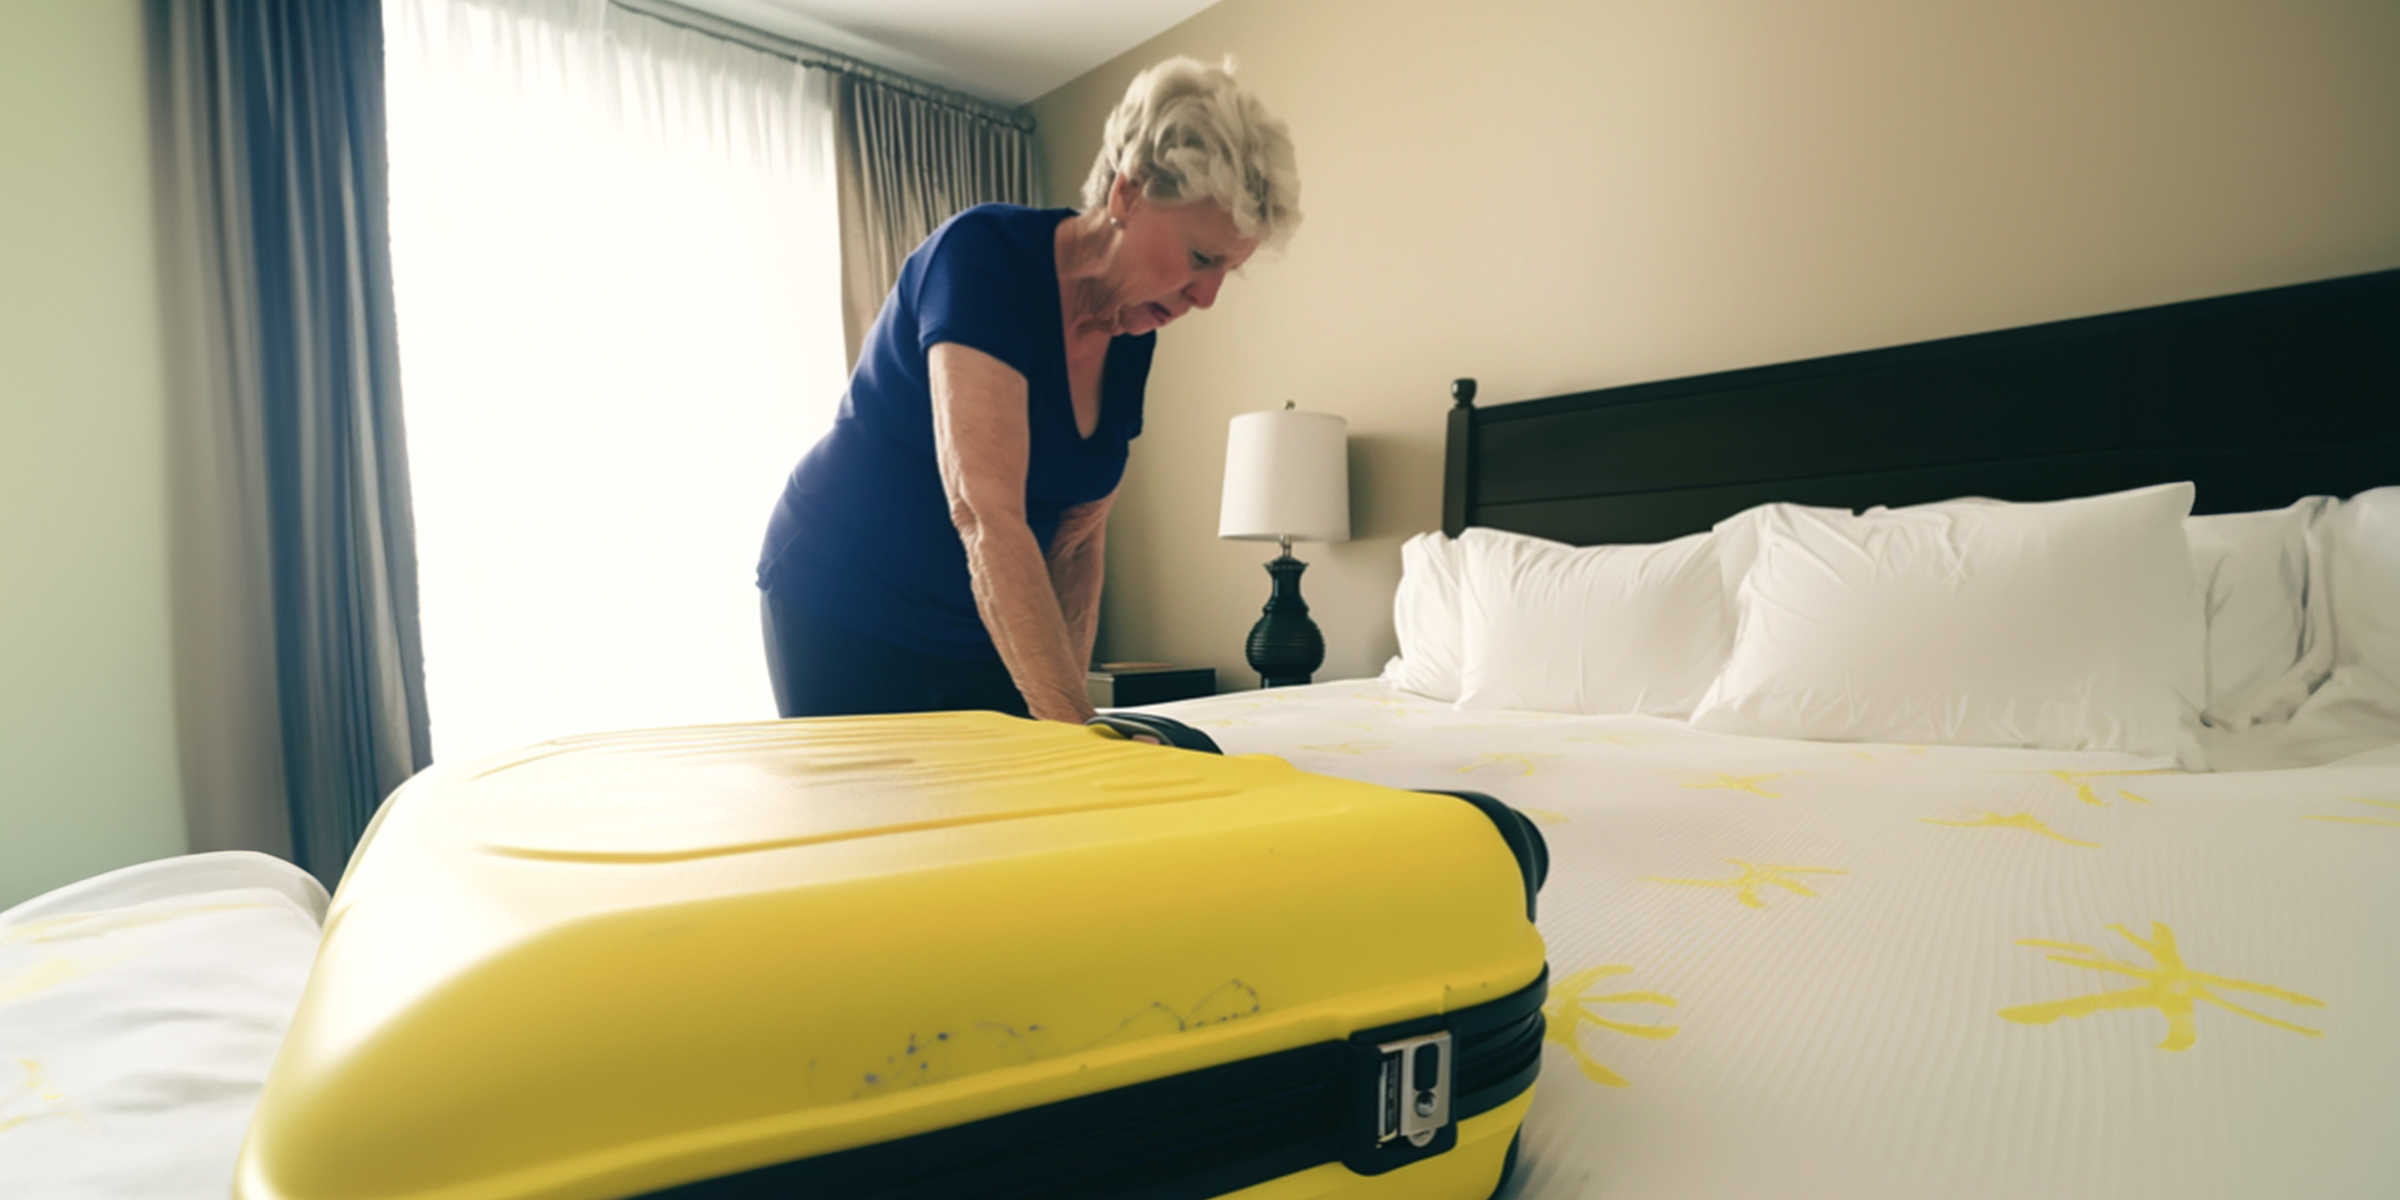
2258,398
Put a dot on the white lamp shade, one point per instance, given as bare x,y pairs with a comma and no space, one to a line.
1287,474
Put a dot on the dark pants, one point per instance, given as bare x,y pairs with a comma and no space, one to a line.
823,670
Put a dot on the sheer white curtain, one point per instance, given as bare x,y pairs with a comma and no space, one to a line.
618,275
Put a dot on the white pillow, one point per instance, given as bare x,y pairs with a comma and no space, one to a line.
1426,614
2361,700
2071,625
2364,537
1594,629
1737,547
2268,645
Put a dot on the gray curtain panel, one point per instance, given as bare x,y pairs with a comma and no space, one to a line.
295,547
904,164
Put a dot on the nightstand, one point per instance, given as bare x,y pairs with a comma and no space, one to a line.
1124,685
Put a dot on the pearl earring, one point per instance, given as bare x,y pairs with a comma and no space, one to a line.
1116,223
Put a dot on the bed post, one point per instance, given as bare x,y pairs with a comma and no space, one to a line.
1458,465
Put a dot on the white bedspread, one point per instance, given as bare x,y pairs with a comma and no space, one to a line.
1792,969
139,1011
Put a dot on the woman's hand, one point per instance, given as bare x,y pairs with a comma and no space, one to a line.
1076,570
982,442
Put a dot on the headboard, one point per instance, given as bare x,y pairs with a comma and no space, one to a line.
2258,398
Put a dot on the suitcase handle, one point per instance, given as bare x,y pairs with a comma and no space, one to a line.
1167,730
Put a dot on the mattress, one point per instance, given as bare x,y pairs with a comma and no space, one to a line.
1800,969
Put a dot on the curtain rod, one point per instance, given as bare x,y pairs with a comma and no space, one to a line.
817,56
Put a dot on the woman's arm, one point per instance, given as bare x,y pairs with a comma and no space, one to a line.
1075,570
983,443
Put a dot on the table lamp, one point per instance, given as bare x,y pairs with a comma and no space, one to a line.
1287,478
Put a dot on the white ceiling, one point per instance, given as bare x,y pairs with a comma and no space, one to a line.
1010,51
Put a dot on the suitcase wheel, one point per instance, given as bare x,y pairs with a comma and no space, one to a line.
1508,1164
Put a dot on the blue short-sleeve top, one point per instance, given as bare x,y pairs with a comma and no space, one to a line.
862,535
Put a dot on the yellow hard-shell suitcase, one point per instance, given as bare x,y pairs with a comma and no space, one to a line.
952,955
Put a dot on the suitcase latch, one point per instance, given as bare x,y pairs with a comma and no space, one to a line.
1414,1089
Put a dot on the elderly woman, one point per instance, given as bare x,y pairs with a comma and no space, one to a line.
941,547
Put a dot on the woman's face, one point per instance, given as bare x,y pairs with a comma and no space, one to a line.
1170,258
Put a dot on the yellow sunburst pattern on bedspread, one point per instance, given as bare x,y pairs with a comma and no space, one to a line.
2025,821
1394,706
2168,986
1573,1005
33,1100
1357,747
1742,783
1525,764
1754,876
119,937
2081,781
2390,804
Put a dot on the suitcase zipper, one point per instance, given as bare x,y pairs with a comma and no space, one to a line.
1362,1102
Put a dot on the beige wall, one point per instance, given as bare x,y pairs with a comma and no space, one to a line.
88,777
1552,197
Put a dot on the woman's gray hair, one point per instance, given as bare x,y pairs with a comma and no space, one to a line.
1185,131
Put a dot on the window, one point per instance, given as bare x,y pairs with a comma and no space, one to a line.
615,255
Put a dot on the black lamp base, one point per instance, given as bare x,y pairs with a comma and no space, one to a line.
1285,647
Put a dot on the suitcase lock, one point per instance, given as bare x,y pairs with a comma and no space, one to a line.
1414,1089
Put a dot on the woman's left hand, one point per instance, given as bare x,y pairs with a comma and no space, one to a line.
982,443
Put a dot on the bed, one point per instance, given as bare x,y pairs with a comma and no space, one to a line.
1789,965
138,1012
1817,967
1804,968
